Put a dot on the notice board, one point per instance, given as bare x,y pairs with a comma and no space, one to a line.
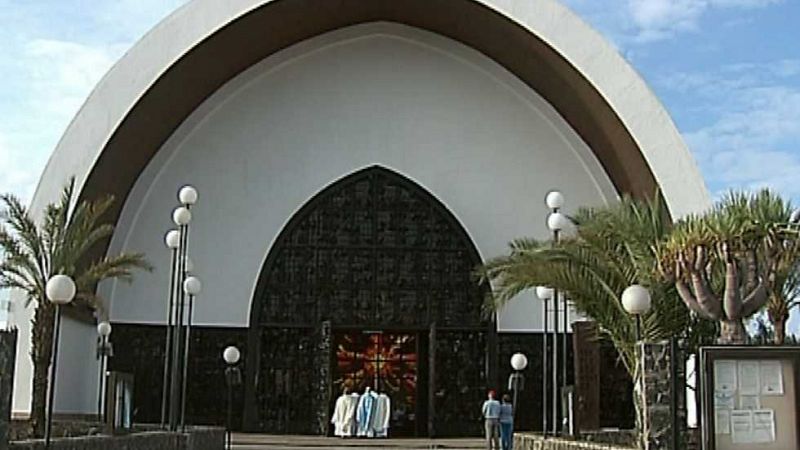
750,398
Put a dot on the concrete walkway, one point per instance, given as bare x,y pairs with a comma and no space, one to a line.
261,441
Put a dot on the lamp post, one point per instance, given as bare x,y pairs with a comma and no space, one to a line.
104,350
516,381
178,353
636,301
191,287
233,377
545,294
60,290
173,242
557,222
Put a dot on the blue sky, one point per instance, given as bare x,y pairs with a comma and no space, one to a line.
727,70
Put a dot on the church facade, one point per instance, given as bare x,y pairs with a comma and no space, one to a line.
356,160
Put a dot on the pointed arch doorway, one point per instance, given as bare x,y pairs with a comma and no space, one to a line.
369,284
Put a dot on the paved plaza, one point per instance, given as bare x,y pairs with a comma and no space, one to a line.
260,441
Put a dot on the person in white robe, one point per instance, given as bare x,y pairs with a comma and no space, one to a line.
365,413
383,412
344,414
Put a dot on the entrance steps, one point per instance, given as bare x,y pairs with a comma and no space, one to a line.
243,441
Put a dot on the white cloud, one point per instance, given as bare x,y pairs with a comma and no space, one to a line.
743,3
62,73
645,21
660,19
51,58
19,172
753,140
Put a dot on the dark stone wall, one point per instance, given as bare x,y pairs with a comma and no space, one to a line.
139,349
323,379
529,402
533,442
656,395
8,351
461,379
196,439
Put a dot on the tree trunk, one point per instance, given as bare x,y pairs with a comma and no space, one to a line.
780,330
41,354
732,332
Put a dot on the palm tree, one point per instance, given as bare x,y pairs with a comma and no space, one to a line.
730,262
59,245
784,291
613,247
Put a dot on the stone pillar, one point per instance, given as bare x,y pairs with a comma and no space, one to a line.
8,352
432,380
323,371
654,395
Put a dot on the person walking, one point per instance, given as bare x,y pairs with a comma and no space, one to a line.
507,423
491,418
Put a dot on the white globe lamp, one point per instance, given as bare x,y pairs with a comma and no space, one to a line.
554,199
231,355
181,216
544,292
60,289
187,195
557,221
636,299
173,239
192,286
519,362
104,329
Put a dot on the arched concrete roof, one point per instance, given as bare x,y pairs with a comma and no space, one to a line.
194,51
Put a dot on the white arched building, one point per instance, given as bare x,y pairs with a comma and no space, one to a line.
396,122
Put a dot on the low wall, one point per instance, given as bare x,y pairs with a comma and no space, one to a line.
195,439
524,441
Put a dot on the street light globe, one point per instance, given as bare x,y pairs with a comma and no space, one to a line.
187,195
557,221
636,299
181,216
60,289
173,239
544,292
104,329
231,355
554,199
519,362
192,285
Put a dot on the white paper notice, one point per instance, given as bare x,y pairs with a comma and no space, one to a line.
748,378
749,402
724,400
771,378
725,376
722,421
741,426
763,426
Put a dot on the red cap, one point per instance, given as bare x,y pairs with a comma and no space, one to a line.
492,393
